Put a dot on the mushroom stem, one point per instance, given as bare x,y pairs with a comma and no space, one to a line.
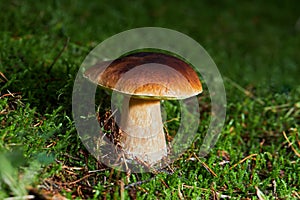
142,125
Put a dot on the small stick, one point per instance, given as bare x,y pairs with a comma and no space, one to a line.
21,197
98,170
246,92
72,168
290,144
298,141
78,180
296,194
79,191
206,166
58,55
243,160
278,106
139,183
111,115
11,94
164,183
122,190
274,188
259,194
1,74
221,196
180,195
173,119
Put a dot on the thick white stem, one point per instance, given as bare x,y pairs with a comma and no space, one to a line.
142,125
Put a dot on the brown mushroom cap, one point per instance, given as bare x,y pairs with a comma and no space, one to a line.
147,75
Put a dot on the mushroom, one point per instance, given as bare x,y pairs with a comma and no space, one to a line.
145,78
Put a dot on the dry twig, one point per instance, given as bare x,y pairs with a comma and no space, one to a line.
246,92
259,194
58,55
4,77
291,144
243,160
206,166
78,180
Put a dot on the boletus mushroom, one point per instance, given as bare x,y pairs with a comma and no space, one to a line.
145,78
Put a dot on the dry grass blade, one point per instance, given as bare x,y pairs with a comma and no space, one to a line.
171,120
291,144
296,194
78,180
139,183
298,141
276,107
180,195
58,55
274,189
122,189
3,77
246,92
205,165
221,196
164,183
22,197
10,94
259,194
243,160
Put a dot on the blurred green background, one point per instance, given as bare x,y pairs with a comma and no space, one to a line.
251,41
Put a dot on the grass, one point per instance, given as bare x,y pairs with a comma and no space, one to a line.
256,47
